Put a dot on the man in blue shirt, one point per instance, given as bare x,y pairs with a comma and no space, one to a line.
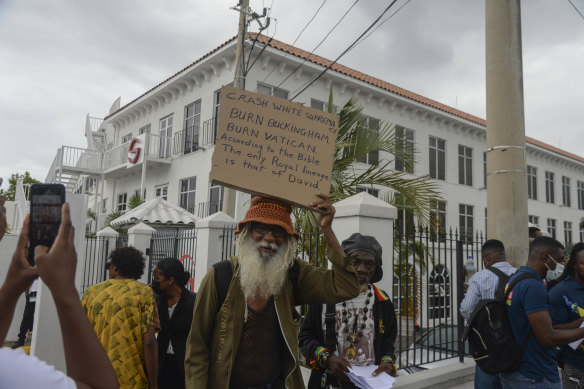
528,310
482,286
567,311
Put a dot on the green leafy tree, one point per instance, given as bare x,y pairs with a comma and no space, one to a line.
135,201
111,217
354,141
11,191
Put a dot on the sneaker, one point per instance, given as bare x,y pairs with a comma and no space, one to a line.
18,344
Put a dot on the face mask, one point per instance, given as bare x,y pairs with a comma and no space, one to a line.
156,287
556,273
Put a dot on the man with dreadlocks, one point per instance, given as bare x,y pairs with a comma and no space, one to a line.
250,339
567,311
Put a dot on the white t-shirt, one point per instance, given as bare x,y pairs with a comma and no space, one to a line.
18,370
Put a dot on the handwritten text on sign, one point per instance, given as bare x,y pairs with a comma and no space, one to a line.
272,146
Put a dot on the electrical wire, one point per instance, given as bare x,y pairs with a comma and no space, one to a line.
263,48
381,24
577,10
344,52
317,46
298,37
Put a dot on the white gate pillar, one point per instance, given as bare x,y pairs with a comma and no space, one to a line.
368,215
210,243
139,237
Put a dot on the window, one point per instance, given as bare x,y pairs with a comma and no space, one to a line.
104,206
126,138
272,91
437,158
187,190
566,200
404,145
439,296
531,182
161,191
551,227
371,191
567,234
372,125
122,202
405,218
190,138
466,222
534,219
215,199
438,219
549,187
165,137
464,165
216,107
580,195
137,193
322,106
144,130
581,234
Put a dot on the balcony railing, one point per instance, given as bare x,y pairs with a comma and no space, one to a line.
208,208
186,141
116,156
209,136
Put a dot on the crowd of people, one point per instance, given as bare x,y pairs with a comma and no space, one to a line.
240,331
543,309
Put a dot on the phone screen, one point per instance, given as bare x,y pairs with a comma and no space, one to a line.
46,201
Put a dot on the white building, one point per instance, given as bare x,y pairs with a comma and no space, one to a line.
178,120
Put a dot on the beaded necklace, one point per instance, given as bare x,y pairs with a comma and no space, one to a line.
357,330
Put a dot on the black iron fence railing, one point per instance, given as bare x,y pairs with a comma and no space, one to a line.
180,244
96,253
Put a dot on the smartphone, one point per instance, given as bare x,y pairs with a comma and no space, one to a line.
46,201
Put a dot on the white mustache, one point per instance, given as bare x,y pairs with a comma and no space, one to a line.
267,245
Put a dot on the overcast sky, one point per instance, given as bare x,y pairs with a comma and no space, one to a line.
62,59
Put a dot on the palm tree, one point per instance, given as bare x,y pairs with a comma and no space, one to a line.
354,141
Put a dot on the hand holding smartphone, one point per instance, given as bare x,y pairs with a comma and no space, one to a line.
46,201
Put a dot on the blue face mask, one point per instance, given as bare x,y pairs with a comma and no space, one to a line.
556,273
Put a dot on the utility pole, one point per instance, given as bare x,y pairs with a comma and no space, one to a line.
229,195
506,176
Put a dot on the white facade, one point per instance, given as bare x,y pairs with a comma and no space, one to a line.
181,162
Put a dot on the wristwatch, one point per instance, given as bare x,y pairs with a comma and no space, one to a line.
323,358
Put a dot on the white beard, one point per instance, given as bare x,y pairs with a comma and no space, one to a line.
262,274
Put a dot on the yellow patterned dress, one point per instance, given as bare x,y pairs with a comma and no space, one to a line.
120,311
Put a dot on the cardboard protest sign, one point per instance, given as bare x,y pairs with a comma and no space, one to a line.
274,147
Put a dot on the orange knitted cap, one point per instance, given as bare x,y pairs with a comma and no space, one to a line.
269,211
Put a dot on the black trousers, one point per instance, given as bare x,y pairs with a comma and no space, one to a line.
27,319
169,375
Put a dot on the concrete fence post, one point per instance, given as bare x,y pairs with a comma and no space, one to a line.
368,215
139,237
210,243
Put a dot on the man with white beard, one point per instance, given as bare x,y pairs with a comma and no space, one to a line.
250,341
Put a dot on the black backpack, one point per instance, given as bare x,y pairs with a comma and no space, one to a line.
489,331
223,274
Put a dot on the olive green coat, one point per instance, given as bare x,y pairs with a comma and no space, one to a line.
215,334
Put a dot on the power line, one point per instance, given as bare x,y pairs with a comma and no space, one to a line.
317,46
381,24
577,10
298,37
344,52
263,48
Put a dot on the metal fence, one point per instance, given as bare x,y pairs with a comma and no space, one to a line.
180,244
96,253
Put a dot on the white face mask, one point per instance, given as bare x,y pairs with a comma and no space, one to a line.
556,273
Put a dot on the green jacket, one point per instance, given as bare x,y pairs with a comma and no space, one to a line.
215,334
